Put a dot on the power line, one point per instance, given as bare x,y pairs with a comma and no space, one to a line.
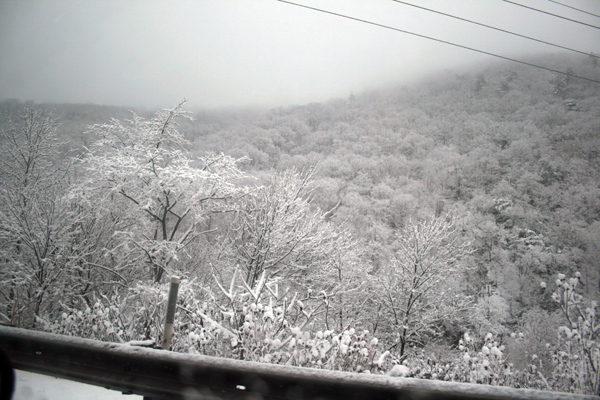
438,40
574,8
549,13
494,28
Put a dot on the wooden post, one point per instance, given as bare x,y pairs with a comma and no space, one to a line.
171,305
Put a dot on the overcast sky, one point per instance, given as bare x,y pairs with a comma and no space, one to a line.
219,53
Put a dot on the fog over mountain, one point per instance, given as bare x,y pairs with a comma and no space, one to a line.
447,226
257,53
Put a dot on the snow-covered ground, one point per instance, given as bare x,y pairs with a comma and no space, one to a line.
41,387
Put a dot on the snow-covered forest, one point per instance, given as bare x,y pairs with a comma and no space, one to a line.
451,227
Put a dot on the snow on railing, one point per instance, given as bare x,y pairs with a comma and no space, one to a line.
163,374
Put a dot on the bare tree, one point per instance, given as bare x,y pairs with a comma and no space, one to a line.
41,247
141,172
416,290
276,231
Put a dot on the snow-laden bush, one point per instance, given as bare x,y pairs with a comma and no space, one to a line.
490,364
262,324
259,324
102,321
576,357
136,313
266,325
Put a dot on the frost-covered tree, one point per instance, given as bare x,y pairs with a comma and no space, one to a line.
276,231
577,361
141,175
416,290
41,249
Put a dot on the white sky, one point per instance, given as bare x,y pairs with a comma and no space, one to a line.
218,53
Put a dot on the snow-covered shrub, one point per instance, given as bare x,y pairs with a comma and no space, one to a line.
427,367
483,361
488,365
102,321
576,357
136,313
539,331
262,324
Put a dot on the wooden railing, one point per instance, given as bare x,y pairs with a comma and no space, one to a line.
161,374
